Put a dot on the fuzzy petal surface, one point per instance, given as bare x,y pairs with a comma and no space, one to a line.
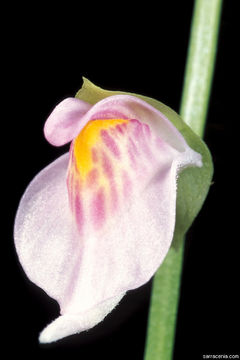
99,221
44,232
46,243
69,324
123,200
63,123
72,115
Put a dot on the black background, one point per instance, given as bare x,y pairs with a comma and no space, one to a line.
131,48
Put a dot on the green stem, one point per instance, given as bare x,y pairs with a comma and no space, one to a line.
194,105
163,308
200,63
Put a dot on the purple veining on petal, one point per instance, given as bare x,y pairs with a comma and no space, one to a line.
141,133
94,155
132,152
110,143
127,185
107,166
98,209
147,131
119,129
79,212
108,114
92,177
70,182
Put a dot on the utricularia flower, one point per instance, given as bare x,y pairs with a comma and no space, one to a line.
99,220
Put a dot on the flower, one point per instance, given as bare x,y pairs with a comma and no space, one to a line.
99,220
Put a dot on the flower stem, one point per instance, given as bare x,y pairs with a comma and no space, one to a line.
194,104
200,63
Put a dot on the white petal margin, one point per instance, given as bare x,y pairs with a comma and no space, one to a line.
46,243
69,324
43,230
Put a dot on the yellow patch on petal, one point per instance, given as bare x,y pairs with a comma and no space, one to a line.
89,136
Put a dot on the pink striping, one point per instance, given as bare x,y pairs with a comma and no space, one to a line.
127,185
75,167
94,155
79,212
107,166
147,131
92,177
98,209
71,155
77,183
142,130
73,186
133,147
113,131
73,163
135,121
110,143
138,129
108,114
119,129
70,189
132,155
108,171
140,133
72,160
124,126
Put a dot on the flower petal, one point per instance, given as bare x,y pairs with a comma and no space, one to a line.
43,230
72,114
69,324
112,229
47,245
63,123
194,183
124,203
131,107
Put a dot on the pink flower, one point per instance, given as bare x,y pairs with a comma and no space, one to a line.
100,219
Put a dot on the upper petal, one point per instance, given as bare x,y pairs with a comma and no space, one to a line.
63,123
131,107
72,114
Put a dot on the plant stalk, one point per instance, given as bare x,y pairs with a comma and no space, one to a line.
194,105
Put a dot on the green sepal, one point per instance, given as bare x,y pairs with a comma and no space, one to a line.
193,182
